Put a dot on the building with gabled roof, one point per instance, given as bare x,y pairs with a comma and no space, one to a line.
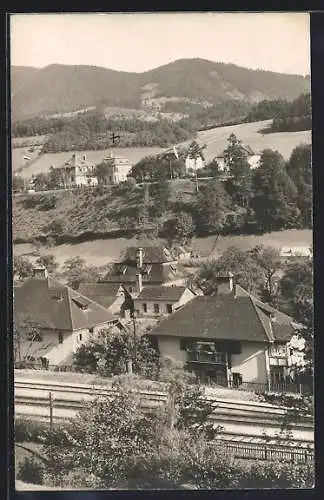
230,337
77,171
155,301
147,266
62,317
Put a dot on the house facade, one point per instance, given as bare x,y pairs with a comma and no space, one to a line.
117,169
252,158
230,338
77,172
161,300
53,320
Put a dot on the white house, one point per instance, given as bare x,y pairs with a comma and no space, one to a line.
231,338
162,300
117,169
63,319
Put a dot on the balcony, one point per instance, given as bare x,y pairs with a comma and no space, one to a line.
216,358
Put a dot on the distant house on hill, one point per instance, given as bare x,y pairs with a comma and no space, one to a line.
230,338
295,252
116,169
63,319
77,171
161,300
195,159
147,266
252,158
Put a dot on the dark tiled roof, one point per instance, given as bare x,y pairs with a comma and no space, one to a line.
226,317
156,273
172,293
104,294
52,305
156,254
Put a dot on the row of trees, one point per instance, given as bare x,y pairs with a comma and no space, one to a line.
94,131
277,195
287,116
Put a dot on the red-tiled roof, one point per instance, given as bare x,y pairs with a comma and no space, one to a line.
227,317
52,305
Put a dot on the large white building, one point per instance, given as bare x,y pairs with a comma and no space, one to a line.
117,170
78,171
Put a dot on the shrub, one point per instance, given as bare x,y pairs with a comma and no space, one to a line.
278,474
31,471
28,430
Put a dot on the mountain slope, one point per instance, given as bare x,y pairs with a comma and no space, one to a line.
60,89
20,76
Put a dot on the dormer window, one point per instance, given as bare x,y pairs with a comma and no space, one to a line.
81,303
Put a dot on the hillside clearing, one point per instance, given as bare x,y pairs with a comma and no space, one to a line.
215,139
249,133
57,159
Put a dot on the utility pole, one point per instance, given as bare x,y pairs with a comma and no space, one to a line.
135,338
197,187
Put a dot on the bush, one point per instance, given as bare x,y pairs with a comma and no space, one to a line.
278,474
28,430
31,471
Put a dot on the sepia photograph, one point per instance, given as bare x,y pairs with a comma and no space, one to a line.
162,241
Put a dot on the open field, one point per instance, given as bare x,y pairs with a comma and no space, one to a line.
284,142
58,159
100,252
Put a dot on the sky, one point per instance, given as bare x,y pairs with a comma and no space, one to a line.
138,42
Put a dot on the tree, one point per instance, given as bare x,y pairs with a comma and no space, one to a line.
48,261
268,258
75,271
212,205
18,183
299,168
109,353
274,193
180,229
246,271
22,267
296,295
26,335
235,158
160,194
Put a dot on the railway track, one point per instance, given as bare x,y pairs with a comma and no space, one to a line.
32,399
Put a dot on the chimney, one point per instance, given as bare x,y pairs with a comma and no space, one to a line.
40,272
139,258
225,283
139,282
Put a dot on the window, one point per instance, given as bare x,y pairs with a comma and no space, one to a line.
277,375
90,330
169,308
80,337
186,344
145,308
130,289
60,337
156,308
